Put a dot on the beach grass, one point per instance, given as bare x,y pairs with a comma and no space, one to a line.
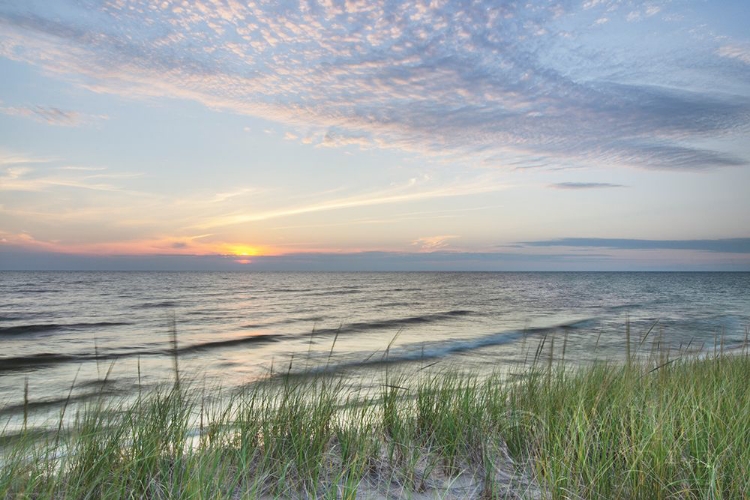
647,428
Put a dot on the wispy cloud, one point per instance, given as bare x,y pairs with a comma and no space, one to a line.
731,245
185,245
222,197
735,51
408,192
28,179
118,212
433,243
501,81
52,115
584,185
16,159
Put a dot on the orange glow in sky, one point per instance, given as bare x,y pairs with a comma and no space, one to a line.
242,250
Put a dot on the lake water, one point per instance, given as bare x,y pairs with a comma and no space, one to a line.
233,328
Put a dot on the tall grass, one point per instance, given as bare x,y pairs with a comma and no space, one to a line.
676,430
650,428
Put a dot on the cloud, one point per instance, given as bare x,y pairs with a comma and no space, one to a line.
52,115
681,158
222,197
408,192
16,159
83,169
432,243
119,213
472,81
337,139
735,51
634,16
731,245
170,246
23,178
584,185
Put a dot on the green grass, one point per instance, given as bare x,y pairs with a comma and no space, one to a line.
647,429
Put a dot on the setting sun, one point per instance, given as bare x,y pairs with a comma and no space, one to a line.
244,250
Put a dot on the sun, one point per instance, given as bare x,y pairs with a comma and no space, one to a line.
243,250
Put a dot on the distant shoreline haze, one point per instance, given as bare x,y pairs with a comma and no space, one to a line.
553,255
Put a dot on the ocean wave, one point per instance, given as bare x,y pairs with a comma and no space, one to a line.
34,361
41,360
42,404
253,339
291,290
10,318
427,351
48,327
394,322
289,321
621,307
336,292
156,305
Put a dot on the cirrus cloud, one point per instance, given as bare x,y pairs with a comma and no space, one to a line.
584,185
728,245
473,80
52,115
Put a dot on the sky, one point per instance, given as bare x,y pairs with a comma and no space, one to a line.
374,135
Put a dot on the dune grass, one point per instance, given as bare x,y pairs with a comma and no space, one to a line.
680,430
652,428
